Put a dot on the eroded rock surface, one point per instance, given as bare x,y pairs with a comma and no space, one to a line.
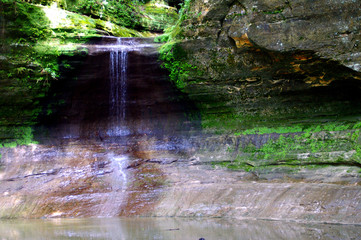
328,28
258,63
138,178
271,62
202,192
80,179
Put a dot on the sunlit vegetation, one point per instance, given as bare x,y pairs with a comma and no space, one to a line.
172,56
35,36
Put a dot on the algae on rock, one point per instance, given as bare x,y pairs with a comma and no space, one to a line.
35,44
158,16
259,64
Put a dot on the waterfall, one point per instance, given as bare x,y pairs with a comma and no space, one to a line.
118,77
118,88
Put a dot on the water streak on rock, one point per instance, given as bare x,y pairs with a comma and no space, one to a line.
120,165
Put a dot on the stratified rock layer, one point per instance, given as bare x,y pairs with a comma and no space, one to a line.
281,81
328,28
271,62
202,192
258,64
141,176
275,67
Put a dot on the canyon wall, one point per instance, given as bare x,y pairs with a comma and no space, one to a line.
282,73
275,86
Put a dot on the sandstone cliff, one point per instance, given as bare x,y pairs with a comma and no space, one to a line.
274,67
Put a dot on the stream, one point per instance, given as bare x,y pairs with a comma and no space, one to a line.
170,228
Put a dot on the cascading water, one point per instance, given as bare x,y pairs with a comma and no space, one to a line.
119,115
118,67
118,88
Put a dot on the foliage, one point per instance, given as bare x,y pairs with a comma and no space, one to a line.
42,2
184,9
173,59
174,33
162,38
76,28
23,136
122,12
127,13
29,63
157,16
26,25
25,22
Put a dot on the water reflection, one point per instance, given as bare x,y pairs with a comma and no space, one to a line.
170,228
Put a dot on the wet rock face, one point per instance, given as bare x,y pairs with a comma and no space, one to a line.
268,61
150,104
141,177
80,179
99,153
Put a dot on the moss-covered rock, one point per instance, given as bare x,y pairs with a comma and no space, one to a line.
82,26
158,16
253,82
35,46
271,65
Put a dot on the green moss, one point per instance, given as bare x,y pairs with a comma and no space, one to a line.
311,146
329,126
275,11
266,130
158,16
357,144
24,22
28,69
173,58
123,12
357,125
219,123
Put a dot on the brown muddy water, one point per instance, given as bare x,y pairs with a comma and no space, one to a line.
170,228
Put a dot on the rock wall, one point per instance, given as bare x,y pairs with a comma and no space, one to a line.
275,67
292,60
327,28
278,88
202,192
